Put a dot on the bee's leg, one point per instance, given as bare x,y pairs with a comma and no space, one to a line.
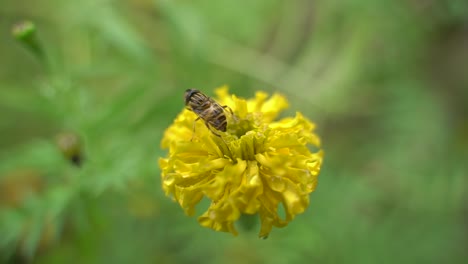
194,123
219,135
211,129
230,110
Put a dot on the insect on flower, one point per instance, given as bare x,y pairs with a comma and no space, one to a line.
266,163
207,109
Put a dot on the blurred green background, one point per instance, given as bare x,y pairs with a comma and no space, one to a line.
386,82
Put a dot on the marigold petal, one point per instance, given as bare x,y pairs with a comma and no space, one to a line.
230,175
207,221
246,196
224,98
294,200
273,106
255,105
188,198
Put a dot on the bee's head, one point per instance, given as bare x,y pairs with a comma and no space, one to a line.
188,94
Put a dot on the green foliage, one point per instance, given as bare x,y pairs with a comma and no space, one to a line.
381,78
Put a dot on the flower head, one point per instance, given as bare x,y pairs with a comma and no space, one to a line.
257,165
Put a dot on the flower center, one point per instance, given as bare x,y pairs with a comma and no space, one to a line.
238,127
245,138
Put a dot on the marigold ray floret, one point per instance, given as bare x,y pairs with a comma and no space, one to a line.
256,166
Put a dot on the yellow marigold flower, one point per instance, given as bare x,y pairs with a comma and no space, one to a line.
256,165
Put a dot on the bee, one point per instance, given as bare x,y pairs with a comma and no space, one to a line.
207,109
